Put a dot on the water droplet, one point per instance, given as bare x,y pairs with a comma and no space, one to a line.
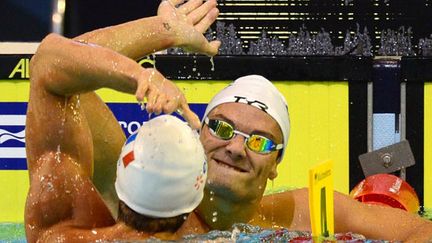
50,186
57,154
212,64
142,105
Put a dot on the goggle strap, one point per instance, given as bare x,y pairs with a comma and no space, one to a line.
279,147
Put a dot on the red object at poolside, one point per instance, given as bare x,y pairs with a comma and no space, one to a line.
387,190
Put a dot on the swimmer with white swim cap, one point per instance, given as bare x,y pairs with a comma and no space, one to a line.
245,130
244,133
73,140
161,173
258,92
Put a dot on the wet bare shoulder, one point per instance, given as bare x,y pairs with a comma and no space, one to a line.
287,209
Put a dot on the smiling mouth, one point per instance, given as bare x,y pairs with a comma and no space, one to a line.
225,165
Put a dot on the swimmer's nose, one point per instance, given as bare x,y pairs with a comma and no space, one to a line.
236,146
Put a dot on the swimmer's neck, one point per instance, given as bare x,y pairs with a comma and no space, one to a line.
221,214
128,232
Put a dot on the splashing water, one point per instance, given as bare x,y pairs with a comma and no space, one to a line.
14,232
248,233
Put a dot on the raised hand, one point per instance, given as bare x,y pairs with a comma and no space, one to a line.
189,21
163,96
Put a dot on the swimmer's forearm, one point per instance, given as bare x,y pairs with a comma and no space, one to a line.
378,222
421,234
85,234
67,67
134,39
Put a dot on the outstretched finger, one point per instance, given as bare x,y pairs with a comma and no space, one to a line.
189,6
170,106
190,116
141,90
159,103
212,48
151,100
204,23
176,2
199,13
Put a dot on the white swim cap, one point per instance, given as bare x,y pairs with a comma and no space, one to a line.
162,169
257,91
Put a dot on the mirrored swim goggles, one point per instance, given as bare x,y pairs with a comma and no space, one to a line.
257,143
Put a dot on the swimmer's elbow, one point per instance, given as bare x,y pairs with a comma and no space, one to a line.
48,43
40,60
44,63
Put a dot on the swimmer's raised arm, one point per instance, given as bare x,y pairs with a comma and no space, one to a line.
69,67
65,67
172,27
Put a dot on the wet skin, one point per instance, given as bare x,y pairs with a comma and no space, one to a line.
73,140
62,195
230,160
237,178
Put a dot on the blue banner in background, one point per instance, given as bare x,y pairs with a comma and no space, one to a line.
12,135
131,116
12,128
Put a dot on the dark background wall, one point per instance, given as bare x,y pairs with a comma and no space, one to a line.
24,20
284,17
82,16
29,20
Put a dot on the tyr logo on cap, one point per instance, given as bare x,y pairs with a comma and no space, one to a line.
255,103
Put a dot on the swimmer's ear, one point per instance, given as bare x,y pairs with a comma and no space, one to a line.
273,173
